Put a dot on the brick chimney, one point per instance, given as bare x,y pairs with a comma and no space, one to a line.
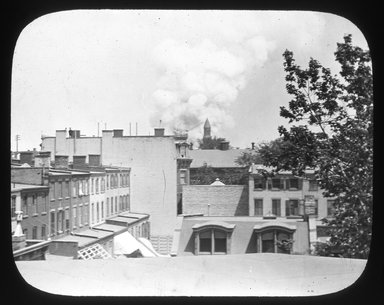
118,133
159,132
27,157
61,161
79,161
94,160
43,159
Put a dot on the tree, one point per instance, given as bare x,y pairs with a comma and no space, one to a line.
210,143
331,131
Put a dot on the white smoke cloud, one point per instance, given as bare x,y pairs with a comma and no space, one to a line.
201,80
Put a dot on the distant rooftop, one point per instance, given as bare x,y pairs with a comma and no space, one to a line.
215,157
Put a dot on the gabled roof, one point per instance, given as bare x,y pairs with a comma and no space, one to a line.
215,157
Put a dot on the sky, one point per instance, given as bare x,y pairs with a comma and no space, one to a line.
114,69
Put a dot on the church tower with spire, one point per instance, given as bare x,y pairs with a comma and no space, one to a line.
207,130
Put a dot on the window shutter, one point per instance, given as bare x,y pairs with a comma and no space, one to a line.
287,184
300,183
287,208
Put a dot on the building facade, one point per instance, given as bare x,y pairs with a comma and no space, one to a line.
157,167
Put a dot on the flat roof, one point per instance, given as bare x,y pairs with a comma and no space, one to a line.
259,274
21,186
110,227
94,233
82,241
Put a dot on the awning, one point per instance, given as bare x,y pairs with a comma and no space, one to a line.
125,244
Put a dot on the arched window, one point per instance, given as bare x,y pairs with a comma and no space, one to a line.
272,238
213,238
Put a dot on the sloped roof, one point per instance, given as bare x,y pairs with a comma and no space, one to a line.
215,157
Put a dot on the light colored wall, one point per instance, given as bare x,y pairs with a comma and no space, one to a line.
283,195
153,176
153,171
243,238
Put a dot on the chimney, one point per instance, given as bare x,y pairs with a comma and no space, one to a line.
61,161
159,132
79,161
43,159
94,160
74,133
253,145
224,145
26,157
118,133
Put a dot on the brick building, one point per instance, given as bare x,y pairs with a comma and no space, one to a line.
158,167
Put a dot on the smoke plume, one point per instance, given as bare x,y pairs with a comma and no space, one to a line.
201,80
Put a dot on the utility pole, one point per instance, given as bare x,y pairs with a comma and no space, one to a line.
17,142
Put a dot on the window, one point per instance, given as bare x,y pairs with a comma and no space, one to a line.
43,231
25,205
86,216
74,217
66,219
258,207
107,209
212,241
292,207
183,173
97,212
259,183
13,206
275,241
74,191
97,185
80,216
107,182
120,203
277,183
313,186
25,232
53,227
92,186
86,187
294,183
45,204
60,189
276,207
52,190
102,210
128,203
66,193
111,205
330,207
116,210
60,217
34,232
34,204
92,213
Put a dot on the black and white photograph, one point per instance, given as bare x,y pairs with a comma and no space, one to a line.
191,153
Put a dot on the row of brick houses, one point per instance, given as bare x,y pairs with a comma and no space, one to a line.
61,201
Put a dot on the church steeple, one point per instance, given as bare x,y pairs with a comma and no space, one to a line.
207,130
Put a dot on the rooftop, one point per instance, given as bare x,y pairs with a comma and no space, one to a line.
261,274
215,157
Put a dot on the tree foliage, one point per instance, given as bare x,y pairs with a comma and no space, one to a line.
210,143
331,131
